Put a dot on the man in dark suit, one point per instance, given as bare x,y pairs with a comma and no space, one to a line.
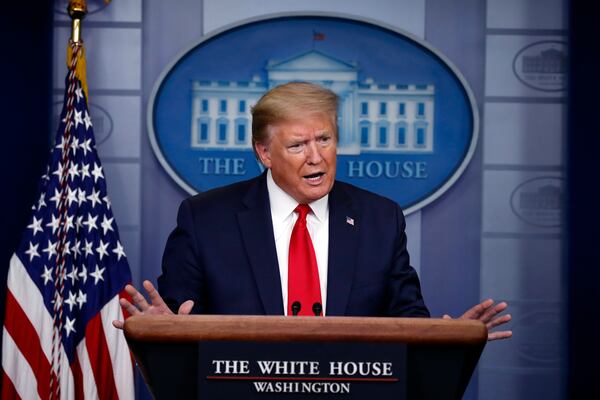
234,251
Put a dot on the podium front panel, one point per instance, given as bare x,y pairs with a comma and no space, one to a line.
240,357
229,370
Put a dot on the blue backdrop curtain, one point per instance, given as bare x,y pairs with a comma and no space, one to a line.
25,110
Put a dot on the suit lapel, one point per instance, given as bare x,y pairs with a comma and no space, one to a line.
343,242
257,233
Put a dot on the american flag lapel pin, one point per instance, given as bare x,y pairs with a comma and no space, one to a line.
350,221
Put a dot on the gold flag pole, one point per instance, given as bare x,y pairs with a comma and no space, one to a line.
77,10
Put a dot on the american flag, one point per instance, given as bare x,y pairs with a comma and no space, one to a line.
318,35
67,275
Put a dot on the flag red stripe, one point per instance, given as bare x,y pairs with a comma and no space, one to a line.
124,295
8,389
24,335
77,377
100,361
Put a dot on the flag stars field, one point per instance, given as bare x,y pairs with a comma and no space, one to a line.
83,274
67,249
54,223
79,223
76,249
97,275
73,146
71,301
91,222
73,276
94,198
50,250
69,223
87,120
101,249
59,170
119,251
81,196
41,201
97,172
88,248
32,251
36,225
56,198
79,93
69,326
47,275
81,298
78,118
71,196
73,171
107,224
86,146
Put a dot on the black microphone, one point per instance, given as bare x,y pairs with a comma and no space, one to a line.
317,308
296,306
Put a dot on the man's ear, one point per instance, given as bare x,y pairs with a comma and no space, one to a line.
264,154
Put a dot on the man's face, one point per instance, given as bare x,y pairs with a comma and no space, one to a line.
302,157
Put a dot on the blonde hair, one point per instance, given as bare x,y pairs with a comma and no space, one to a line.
291,101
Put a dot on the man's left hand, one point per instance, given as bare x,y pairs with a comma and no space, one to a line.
488,313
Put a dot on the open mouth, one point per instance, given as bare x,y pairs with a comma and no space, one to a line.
314,177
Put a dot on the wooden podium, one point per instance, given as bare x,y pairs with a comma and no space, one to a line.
268,357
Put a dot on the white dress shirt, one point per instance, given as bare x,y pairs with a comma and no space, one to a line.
284,218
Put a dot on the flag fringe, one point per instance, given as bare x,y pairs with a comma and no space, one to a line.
80,69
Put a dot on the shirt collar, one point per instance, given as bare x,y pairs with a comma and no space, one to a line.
282,204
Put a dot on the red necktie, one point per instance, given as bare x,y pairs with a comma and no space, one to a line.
304,289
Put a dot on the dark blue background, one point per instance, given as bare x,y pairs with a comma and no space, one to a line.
25,109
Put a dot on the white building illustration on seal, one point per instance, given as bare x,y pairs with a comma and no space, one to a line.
373,117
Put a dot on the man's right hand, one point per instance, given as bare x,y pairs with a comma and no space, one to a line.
156,306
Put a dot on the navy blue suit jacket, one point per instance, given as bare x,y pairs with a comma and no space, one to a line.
222,255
